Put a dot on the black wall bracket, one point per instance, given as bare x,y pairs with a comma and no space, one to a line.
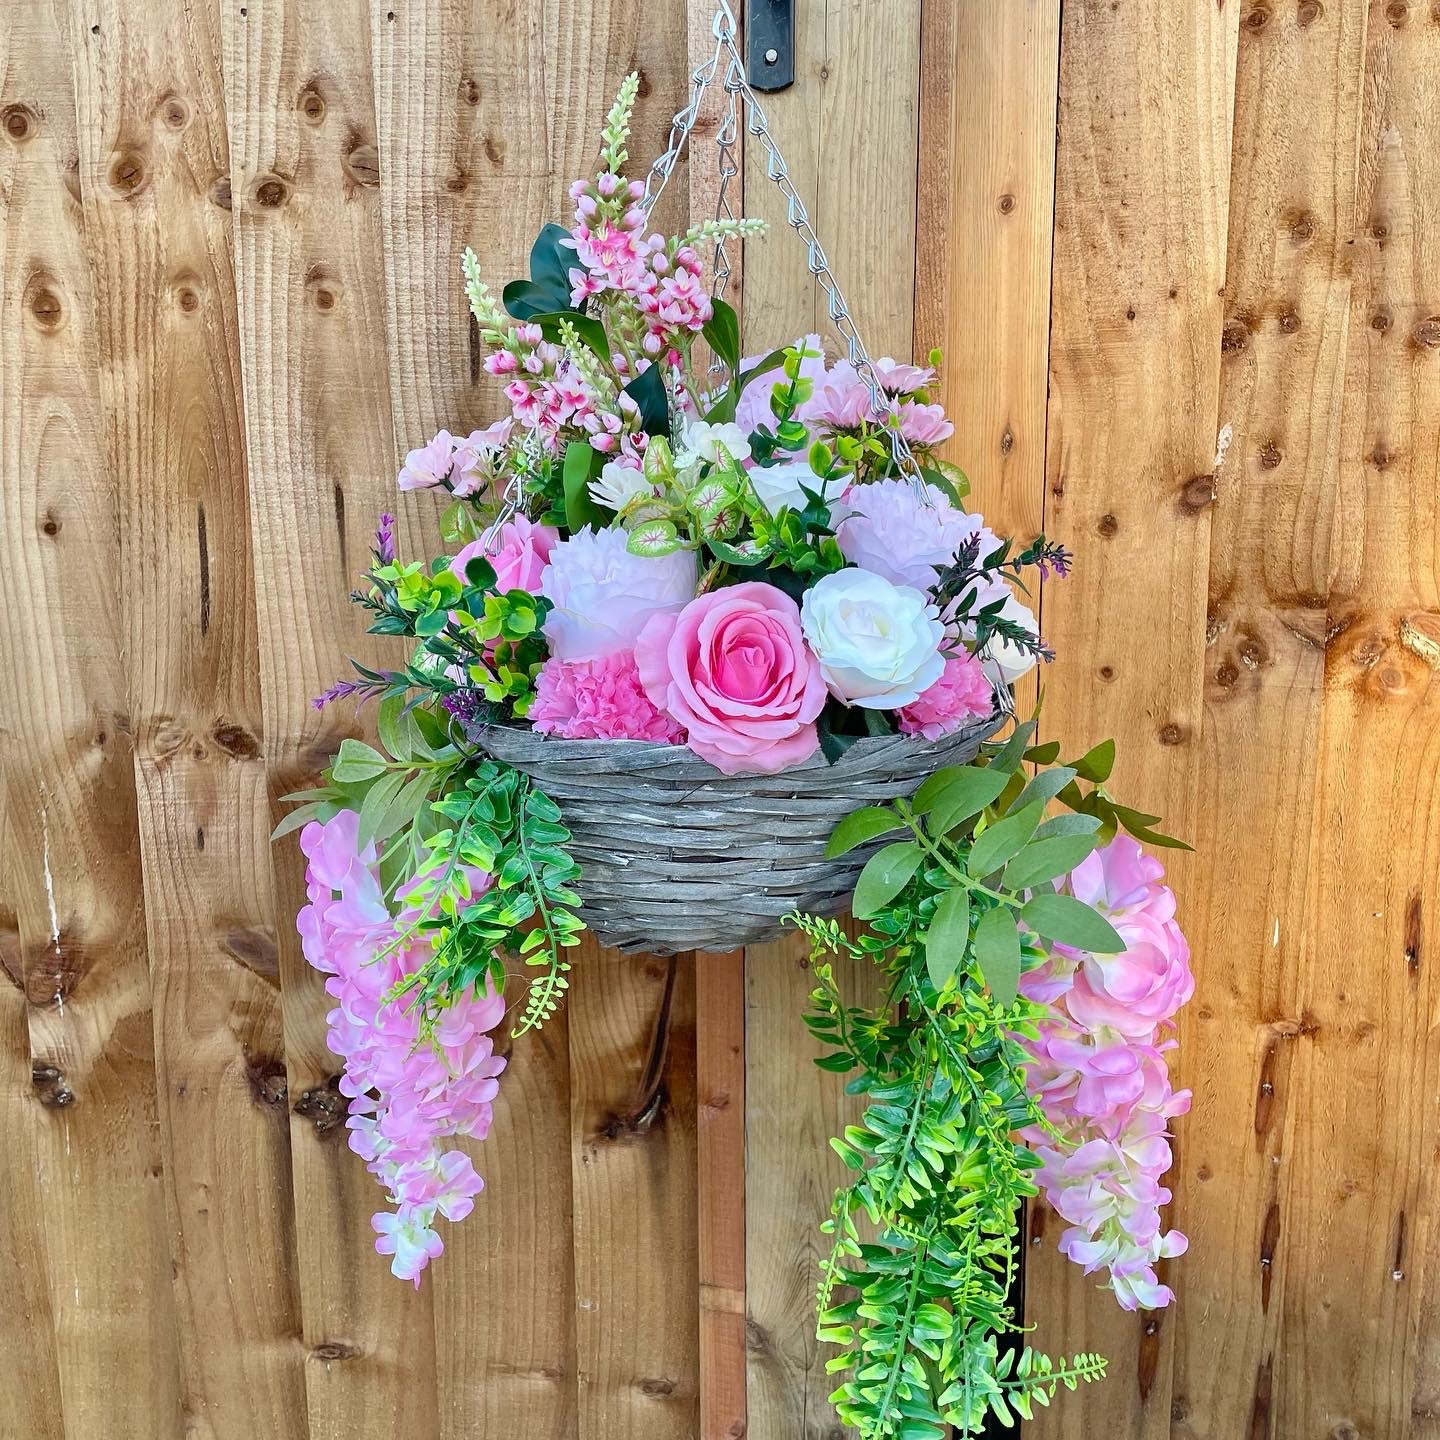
770,43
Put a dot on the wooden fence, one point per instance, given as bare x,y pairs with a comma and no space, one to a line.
1184,260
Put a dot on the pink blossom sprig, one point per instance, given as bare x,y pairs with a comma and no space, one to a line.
409,1092
1099,1074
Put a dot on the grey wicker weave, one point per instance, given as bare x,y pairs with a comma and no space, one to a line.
677,856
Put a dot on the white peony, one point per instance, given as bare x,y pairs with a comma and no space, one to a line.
704,441
1002,658
603,595
878,644
781,485
618,484
896,533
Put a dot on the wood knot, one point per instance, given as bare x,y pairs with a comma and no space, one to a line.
174,112
1308,13
494,150
1381,457
457,182
266,1077
1172,734
328,1351
1226,675
658,1386
127,175
44,305
1380,321
1197,493
255,948
19,122
1106,672
362,165
1302,228
1289,323
236,741
1398,14
271,192
312,104
1420,635
1257,18
1380,231
325,1107
1107,526
1269,455
1006,204
470,91
52,976
1426,334
50,525
220,193
50,1088
322,289
1234,338
1007,440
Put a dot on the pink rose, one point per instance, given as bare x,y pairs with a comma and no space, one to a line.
732,668
523,554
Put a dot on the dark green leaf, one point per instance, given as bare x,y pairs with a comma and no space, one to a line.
859,826
1003,840
580,509
590,330
885,875
722,333
1043,860
1012,752
948,936
1071,922
956,794
1045,754
1095,765
997,951
647,390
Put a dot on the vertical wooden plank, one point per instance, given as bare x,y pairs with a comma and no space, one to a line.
72,867
720,1071
848,130
70,935
153,147
989,79
304,185
1142,178
1246,903
1361,1221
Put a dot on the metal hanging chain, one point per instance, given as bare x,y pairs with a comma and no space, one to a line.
797,217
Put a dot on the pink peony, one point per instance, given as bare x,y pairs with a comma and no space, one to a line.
524,551
598,700
893,532
962,693
603,595
732,668
429,465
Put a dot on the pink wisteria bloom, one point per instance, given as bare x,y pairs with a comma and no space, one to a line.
407,1095
1098,1072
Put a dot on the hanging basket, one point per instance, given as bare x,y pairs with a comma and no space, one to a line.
677,856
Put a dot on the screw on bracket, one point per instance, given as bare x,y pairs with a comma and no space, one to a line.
770,44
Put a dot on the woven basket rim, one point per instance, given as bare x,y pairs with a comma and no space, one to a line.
680,763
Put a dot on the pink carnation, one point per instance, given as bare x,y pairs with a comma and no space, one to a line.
962,693
598,699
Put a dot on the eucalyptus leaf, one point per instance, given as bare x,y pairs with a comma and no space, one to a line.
859,826
1045,786
1003,840
1067,825
1069,921
948,937
997,952
1012,752
885,875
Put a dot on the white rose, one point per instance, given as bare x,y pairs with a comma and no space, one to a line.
781,485
618,485
878,644
704,441
1002,658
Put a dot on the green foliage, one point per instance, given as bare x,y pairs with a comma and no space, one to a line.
925,1231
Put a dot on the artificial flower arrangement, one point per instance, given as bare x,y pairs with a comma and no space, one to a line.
745,562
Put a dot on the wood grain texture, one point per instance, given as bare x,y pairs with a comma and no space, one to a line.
1141,214
73,870
304,189
152,145
1273,503
1359,1225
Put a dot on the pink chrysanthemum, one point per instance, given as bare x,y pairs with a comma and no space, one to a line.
962,693
598,700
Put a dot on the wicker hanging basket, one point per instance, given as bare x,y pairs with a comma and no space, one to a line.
677,856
